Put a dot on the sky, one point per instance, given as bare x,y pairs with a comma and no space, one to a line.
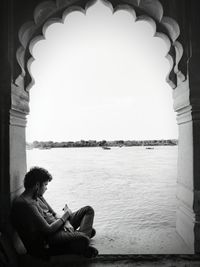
100,76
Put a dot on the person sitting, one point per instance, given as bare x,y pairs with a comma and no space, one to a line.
43,232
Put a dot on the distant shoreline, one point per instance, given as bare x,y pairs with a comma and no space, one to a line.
103,143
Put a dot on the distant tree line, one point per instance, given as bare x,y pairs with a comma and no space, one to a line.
94,143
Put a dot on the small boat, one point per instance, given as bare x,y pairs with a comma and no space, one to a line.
149,147
106,147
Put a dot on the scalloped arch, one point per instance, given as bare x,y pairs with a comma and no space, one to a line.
54,11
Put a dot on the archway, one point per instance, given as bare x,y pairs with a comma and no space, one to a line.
67,102
48,12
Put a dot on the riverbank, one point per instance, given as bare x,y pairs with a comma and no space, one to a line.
103,143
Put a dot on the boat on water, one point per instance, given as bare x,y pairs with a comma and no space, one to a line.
106,147
149,147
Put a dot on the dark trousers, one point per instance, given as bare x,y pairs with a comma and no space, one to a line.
78,241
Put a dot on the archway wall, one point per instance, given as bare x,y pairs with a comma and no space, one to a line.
55,11
30,27
40,15
182,77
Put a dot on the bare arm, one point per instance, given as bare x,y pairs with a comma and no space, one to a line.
47,204
42,225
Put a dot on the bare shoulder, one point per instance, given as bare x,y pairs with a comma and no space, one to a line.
22,201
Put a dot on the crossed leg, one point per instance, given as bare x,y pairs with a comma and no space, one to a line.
77,241
83,220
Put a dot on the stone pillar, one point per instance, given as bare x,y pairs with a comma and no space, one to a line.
188,181
18,114
185,218
187,105
196,179
185,213
17,152
5,104
195,103
4,154
194,85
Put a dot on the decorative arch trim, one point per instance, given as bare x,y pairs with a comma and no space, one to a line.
49,12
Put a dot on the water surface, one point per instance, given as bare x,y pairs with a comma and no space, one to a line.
130,188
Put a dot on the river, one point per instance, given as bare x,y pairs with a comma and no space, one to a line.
130,188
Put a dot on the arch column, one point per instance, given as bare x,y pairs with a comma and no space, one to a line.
5,103
196,175
194,83
4,150
17,129
185,214
187,105
13,108
188,177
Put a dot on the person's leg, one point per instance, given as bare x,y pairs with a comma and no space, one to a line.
68,242
83,219
64,242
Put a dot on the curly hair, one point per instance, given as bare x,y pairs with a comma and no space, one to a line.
35,175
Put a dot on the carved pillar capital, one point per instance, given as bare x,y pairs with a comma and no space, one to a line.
181,96
17,118
19,105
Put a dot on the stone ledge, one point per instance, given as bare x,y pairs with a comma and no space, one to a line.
113,260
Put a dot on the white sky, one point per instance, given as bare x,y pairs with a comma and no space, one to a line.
100,76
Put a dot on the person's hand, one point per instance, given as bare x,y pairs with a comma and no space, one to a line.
66,208
68,227
66,215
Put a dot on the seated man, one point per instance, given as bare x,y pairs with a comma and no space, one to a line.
40,227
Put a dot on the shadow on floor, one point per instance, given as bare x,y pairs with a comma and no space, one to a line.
9,258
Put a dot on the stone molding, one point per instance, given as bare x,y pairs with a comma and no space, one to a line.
17,118
50,12
184,115
182,106
19,99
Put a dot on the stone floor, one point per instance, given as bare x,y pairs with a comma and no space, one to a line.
116,260
159,241
143,249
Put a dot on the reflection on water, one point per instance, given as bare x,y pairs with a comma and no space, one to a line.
130,187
